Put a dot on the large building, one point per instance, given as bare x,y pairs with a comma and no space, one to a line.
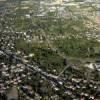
59,1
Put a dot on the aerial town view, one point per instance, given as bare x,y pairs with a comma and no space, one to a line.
49,49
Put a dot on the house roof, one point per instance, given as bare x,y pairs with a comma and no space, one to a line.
13,93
